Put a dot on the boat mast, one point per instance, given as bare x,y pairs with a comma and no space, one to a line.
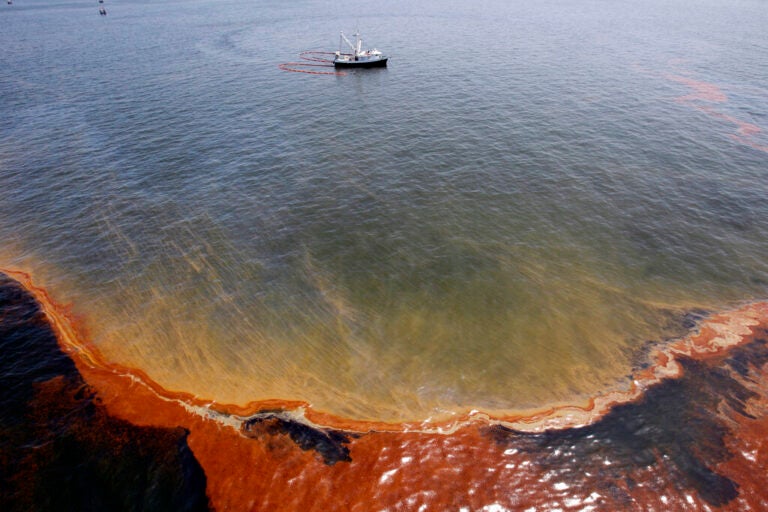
355,48
359,45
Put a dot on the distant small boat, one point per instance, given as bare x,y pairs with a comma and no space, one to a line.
359,58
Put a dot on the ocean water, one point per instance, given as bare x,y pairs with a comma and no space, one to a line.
500,220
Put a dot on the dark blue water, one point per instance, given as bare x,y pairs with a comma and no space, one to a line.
497,220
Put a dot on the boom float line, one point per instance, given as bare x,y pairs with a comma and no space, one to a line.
312,56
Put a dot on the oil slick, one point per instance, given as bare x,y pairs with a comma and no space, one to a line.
60,449
706,97
692,432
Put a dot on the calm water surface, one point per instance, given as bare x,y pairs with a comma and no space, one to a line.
499,220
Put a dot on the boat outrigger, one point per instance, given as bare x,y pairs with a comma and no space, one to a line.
359,58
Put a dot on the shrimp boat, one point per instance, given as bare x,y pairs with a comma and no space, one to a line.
359,58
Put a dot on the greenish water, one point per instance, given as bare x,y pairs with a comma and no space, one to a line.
498,220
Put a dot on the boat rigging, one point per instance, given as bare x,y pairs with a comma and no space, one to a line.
359,58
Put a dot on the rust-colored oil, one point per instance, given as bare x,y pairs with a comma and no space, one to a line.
690,433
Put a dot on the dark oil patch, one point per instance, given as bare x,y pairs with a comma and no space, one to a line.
60,449
329,444
678,426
